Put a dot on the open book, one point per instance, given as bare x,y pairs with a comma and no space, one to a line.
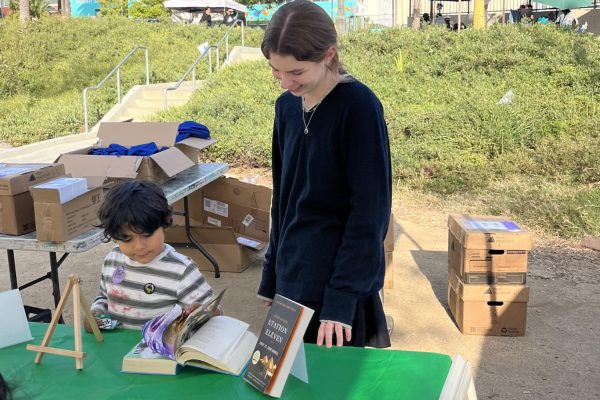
199,339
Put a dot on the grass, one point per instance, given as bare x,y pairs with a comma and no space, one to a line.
535,159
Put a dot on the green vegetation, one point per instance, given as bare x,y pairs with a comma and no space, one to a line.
537,159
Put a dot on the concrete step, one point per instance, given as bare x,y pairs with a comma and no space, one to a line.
48,150
241,54
139,103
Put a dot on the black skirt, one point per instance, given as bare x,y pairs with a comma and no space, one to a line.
369,328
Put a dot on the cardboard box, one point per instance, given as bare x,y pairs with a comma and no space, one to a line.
497,310
228,202
220,242
68,188
158,167
388,281
16,205
235,212
487,248
56,222
388,242
243,206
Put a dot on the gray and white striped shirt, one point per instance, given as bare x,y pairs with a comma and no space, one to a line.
149,290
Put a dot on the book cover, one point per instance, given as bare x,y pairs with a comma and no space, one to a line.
197,338
277,345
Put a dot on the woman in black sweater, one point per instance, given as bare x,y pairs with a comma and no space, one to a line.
331,184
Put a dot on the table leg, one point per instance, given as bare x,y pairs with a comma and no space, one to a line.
11,269
54,264
198,246
54,278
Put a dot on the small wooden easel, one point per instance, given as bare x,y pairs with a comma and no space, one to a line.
78,303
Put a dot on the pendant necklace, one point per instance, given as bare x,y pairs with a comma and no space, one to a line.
312,111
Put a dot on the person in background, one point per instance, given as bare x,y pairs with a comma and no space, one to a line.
566,20
142,277
206,17
230,17
331,184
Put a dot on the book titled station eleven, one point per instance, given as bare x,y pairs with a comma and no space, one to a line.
277,346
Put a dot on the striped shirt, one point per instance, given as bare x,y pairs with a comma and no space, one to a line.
148,290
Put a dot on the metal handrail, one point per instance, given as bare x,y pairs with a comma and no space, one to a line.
226,36
116,69
192,70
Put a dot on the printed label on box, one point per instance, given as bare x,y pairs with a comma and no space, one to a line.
213,221
216,207
481,225
247,220
248,242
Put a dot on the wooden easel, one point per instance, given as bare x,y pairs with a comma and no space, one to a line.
78,303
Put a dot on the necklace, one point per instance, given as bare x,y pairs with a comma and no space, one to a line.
313,109
304,111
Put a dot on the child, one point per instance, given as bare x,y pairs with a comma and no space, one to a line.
142,277
331,184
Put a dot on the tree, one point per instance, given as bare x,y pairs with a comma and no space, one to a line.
24,11
148,9
113,7
416,14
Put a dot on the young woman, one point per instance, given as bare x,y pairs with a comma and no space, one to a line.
331,184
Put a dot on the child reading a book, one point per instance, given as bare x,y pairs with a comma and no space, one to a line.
331,183
142,277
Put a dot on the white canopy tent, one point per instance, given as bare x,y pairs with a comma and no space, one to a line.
216,5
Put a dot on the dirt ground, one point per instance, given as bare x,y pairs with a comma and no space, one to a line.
558,358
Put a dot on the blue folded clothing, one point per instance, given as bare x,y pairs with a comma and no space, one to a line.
192,129
112,150
146,149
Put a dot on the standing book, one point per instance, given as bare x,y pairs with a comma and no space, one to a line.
279,343
199,339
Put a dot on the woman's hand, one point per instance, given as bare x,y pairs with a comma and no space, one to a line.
328,329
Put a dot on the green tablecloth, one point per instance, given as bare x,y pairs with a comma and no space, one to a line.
336,373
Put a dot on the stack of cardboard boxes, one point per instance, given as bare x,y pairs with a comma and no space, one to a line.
487,269
229,218
16,204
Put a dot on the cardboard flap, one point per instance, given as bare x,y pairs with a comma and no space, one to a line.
133,133
196,143
16,178
83,165
172,161
45,195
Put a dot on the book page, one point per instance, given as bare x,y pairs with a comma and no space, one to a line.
184,327
218,337
238,359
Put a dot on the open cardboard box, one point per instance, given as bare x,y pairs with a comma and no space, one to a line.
16,205
237,213
58,221
158,167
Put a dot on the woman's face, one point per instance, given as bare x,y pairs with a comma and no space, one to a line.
299,77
